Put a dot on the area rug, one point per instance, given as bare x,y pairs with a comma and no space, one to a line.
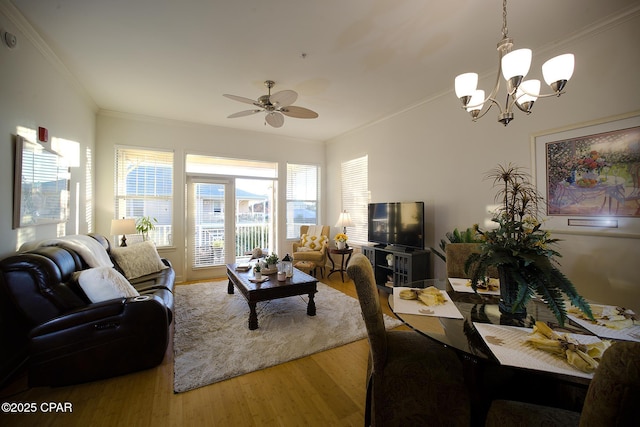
212,341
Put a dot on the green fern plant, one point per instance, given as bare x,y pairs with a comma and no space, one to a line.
521,250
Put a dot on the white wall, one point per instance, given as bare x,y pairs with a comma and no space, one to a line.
34,93
186,138
434,153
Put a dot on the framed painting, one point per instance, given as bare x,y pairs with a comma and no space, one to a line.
589,176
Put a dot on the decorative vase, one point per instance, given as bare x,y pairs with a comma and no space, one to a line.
340,245
509,294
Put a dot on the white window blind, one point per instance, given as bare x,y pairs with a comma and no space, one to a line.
144,187
303,187
355,196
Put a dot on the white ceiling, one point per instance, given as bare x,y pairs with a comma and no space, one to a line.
365,59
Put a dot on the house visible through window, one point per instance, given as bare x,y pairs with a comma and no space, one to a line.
303,187
144,187
355,196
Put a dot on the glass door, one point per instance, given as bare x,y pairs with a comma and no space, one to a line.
210,219
255,216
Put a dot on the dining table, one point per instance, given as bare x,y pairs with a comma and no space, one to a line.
487,376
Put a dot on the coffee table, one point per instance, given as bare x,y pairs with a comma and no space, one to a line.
299,284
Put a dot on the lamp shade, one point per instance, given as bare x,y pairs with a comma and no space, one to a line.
516,63
466,84
558,68
528,91
344,220
477,101
123,226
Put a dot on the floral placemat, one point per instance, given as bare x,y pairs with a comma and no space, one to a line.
507,343
448,309
464,285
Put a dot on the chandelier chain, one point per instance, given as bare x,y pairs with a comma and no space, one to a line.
505,30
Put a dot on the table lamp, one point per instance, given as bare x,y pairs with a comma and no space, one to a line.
121,227
344,221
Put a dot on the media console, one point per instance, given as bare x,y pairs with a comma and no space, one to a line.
393,266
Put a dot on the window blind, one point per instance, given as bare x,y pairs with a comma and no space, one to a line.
144,187
355,196
303,187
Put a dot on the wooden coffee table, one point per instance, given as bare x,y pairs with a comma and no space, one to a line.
299,284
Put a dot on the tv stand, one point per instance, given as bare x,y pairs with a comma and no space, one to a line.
396,248
397,266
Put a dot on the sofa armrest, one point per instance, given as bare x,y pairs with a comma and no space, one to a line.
100,314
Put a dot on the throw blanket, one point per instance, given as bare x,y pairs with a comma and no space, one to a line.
93,253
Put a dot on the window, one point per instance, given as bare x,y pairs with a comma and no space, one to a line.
303,187
355,196
144,187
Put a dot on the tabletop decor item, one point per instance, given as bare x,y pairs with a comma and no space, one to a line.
521,250
271,260
341,240
257,271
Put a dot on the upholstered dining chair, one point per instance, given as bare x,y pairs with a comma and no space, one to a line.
313,246
457,255
612,400
411,380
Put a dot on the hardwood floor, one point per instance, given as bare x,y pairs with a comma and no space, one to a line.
326,388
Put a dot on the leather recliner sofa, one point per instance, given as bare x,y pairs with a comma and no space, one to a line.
50,328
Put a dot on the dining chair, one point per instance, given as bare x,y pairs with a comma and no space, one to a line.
612,400
456,257
411,380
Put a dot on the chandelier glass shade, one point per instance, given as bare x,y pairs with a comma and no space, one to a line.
513,66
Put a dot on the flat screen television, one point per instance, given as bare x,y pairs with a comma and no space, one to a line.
398,224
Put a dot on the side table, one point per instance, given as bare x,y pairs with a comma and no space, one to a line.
343,262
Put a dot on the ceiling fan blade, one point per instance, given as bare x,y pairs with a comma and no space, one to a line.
241,99
299,112
275,119
284,98
243,113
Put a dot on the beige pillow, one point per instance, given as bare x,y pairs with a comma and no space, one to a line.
138,260
105,283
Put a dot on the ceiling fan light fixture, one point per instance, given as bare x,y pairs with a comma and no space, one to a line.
275,106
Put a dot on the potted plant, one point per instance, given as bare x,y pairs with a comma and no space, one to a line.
144,225
341,240
271,261
521,250
257,271
455,236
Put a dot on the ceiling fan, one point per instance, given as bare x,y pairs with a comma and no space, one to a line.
275,106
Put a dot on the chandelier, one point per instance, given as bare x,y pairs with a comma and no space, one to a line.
514,66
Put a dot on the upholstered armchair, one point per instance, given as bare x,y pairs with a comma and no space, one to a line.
313,246
457,255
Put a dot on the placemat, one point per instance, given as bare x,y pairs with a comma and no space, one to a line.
507,343
464,285
448,309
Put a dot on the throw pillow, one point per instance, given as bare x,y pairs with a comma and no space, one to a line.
313,242
104,283
138,260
